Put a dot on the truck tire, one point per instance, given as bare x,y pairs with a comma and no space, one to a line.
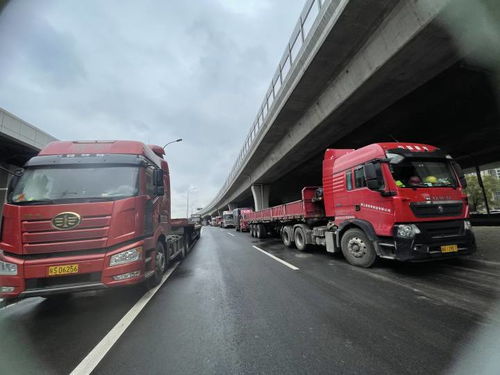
357,248
287,236
161,262
253,230
300,239
261,231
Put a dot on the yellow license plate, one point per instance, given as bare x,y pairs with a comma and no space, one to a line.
63,270
449,248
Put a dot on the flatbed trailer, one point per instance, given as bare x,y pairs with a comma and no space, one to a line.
310,207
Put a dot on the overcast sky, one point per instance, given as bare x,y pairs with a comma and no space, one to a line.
144,70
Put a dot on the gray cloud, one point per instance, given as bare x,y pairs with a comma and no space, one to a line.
150,70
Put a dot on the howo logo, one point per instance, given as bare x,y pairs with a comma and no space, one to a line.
66,220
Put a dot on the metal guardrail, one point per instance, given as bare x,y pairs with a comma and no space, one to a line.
307,19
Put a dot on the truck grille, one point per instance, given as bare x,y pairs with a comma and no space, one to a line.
442,230
425,209
41,237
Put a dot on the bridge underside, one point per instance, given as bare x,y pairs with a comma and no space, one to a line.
458,110
412,77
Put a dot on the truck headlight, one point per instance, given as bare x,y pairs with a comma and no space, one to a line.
127,256
8,269
407,230
467,225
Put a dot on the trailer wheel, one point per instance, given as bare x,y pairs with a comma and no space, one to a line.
300,239
287,236
262,231
161,261
357,248
254,230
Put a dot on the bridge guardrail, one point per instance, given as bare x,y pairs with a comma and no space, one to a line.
307,19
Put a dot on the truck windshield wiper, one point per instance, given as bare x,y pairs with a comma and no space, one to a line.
35,202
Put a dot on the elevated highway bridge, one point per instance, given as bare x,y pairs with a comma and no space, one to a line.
357,72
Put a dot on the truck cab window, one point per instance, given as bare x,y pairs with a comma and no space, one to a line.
359,178
49,183
348,180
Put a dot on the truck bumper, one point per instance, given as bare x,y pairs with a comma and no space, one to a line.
94,274
428,244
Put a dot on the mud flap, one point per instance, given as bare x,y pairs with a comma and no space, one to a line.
330,243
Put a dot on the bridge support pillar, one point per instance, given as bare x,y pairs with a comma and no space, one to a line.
260,196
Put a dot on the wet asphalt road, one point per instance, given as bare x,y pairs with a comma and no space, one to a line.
230,309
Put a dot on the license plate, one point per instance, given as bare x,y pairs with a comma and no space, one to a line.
63,270
449,248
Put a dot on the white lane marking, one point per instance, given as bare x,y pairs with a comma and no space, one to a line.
92,359
230,234
276,258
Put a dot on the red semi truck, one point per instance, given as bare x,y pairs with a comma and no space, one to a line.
401,201
240,224
89,215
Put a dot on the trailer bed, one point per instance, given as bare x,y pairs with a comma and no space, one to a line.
309,207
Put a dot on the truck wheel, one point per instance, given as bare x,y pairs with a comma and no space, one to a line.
252,230
357,248
300,239
161,260
261,231
287,236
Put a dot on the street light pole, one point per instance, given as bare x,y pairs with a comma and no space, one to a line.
177,140
189,189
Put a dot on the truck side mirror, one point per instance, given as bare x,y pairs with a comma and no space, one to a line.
158,177
159,190
373,179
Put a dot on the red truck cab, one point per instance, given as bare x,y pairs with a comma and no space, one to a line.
407,198
86,216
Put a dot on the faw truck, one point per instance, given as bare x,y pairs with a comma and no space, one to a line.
402,201
88,216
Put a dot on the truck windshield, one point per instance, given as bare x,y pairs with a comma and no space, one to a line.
228,217
413,173
39,185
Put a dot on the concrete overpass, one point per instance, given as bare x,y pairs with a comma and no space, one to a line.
19,141
359,71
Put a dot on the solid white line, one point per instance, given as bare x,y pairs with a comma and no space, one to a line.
278,259
230,234
91,361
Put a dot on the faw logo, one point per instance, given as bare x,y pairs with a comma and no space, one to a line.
66,220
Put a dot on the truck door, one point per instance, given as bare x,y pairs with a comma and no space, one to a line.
371,205
343,185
